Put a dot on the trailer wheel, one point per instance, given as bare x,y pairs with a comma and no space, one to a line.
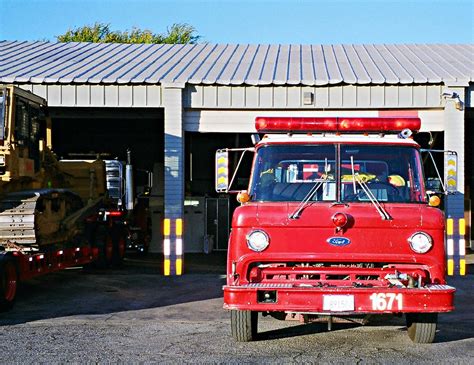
422,326
8,284
118,246
109,249
243,325
103,241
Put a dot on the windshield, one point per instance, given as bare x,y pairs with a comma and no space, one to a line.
391,173
288,173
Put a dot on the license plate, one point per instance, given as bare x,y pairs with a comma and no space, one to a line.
338,303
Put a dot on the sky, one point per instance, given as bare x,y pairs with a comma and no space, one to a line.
252,21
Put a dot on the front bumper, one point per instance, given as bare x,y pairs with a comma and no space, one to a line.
289,298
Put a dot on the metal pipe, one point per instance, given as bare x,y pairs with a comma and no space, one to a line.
129,185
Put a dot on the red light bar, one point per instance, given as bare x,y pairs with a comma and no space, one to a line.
115,213
336,125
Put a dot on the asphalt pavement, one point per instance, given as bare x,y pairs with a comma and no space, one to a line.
134,314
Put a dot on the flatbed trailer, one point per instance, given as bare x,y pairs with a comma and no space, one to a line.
104,246
54,214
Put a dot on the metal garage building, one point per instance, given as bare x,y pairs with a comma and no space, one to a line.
188,100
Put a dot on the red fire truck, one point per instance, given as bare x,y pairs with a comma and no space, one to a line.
336,223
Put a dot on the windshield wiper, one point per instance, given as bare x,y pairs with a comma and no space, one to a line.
296,214
314,189
380,209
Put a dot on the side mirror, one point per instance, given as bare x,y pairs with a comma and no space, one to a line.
448,185
433,184
222,171
223,180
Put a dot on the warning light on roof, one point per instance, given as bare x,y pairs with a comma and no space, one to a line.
336,125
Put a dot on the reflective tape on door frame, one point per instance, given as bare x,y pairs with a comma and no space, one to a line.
462,246
177,239
456,251
167,246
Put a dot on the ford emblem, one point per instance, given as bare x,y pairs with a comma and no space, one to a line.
338,241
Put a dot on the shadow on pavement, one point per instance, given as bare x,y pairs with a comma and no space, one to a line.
138,284
301,330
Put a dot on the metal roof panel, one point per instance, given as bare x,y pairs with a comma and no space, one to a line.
220,64
307,66
395,65
358,68
169,69
333,70
256,68
241,72
230,68
238,64
208,61
410,67
345,65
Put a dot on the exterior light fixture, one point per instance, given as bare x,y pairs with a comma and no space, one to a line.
454,96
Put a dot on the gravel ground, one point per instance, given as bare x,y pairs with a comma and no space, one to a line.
134,315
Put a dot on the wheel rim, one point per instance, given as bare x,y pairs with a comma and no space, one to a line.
10,282
109,248
121,247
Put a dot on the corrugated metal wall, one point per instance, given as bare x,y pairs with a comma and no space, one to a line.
122,96
333,97
243,121
245,97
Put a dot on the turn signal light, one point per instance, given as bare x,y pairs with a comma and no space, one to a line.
435,201
243,197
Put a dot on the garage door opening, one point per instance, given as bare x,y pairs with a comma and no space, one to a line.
110,132
85,133
207,213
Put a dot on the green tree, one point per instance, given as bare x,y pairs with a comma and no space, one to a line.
179,33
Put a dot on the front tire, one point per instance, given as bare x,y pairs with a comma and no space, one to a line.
243,325
8,284
421,327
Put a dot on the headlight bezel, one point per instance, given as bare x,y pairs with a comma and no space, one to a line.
251,243
414,245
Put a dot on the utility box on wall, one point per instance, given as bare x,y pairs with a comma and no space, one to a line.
194,221
206,224
217,223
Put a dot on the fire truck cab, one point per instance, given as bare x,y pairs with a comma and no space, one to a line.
336,222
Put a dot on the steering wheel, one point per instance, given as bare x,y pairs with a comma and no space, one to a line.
392,191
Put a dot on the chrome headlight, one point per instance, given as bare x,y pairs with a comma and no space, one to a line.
420,242
258,240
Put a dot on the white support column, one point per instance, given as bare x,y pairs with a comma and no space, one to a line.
454,131
454,136
173,178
